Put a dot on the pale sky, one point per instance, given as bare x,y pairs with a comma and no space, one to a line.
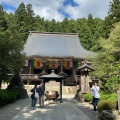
59,9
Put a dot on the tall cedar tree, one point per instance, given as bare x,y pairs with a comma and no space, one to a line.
3,23
30,18
113,17
21,17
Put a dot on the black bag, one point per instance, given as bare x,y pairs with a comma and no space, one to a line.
37,90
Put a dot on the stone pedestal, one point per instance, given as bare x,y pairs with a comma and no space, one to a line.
81,97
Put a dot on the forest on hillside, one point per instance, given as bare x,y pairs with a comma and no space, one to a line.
90,29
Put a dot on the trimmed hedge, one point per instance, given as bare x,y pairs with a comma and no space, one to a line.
8,96
107,105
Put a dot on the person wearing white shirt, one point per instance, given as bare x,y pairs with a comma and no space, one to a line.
95,93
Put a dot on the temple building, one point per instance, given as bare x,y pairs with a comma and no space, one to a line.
61,52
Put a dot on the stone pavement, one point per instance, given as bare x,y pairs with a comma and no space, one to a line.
21,110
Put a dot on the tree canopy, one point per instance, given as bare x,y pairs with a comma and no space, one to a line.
107,62
95,34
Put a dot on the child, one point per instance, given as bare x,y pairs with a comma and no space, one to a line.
33,96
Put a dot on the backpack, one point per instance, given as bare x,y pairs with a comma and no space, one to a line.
38,91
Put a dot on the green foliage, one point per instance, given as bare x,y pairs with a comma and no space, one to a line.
15,28
11,96
107,61
108,96
112,18
89,31
108,104
104,105
112,84
104,96
3,23
7,96
3,97
88,97
11,57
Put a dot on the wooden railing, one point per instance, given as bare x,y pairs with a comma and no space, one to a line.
70,78
30,76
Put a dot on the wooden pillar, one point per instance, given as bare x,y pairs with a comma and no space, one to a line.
30,70
61,67
28,81
43,66
61,91
118,94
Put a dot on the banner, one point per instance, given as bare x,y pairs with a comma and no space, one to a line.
68,64
35,63
26,63
53,64
75,64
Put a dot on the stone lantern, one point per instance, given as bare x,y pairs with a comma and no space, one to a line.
85,79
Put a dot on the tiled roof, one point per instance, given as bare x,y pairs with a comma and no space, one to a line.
55,45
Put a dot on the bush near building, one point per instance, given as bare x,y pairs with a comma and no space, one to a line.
8,96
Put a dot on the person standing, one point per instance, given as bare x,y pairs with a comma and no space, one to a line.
33,97
41,92
95,93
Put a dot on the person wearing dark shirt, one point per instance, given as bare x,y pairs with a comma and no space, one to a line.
41,92
33,97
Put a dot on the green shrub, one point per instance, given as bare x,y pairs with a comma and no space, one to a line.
4,96
106,105
17,93
88,97
8,96
11,95
1,97
104,96
113,102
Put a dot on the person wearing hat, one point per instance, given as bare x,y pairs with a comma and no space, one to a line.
41,92
95,93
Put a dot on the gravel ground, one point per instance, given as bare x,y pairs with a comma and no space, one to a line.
87,108
8,111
